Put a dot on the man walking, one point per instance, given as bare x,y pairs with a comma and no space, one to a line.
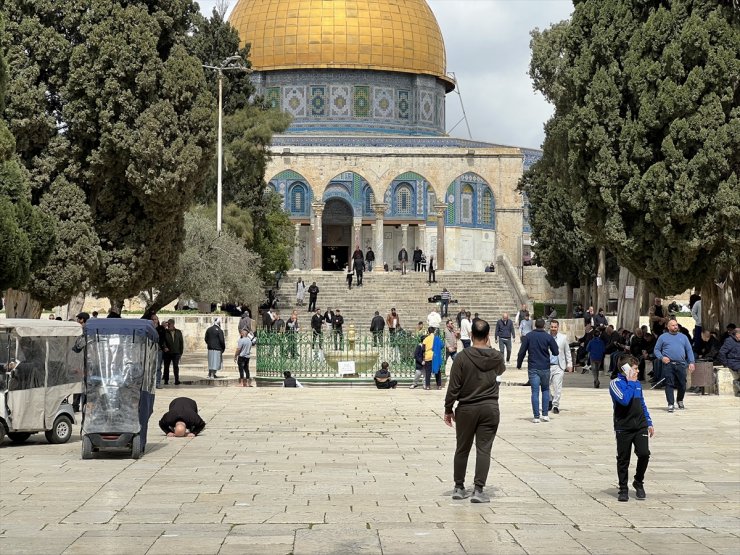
403,259
313,294
558,365
316,322
216,346
370,259
444,300
675,351
336,327
465,330
173,348
504,334
473,383
540,345
393,322
450,341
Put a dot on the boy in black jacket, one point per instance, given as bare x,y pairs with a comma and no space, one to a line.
632,425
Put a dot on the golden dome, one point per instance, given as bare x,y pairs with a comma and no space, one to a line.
390,35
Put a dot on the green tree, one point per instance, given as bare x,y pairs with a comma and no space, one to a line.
105,96
27,234
647,97
213,267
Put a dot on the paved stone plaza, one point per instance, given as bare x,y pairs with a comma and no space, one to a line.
334,470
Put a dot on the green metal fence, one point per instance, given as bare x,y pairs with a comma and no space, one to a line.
327,355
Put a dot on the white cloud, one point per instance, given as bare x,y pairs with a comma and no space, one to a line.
487,43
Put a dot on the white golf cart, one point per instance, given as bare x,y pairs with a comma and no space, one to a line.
38,373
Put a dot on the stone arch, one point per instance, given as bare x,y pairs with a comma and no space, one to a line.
407,187
296,192
470,202
351,186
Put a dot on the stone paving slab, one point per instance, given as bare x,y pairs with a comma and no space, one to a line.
336,470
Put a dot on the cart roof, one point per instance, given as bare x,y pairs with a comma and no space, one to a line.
39,328
122,326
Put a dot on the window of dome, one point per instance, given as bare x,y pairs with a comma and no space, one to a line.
404,199
466,204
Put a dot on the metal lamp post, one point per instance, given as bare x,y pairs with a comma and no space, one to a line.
230,63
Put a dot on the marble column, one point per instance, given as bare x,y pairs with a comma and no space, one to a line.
296,247
379,209
357,226
440,208
318,239
421,238
405,238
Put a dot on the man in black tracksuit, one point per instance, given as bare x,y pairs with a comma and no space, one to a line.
474,386
632,425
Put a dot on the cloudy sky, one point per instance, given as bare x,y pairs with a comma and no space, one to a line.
487,45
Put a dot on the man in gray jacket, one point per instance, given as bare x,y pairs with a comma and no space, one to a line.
474,385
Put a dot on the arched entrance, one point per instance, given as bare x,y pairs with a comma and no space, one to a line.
336,223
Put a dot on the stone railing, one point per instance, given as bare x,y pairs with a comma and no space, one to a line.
512,279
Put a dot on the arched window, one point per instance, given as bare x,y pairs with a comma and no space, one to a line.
368,200
404,199
297,198
486,208
466,204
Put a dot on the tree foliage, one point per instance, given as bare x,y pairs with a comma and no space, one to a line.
646,132
27,234
212,267
114,122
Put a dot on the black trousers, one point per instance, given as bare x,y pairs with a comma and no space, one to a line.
312,303
428,374
625,441
479,422
243,364
174,359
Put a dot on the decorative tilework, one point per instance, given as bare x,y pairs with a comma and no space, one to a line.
318,100
403,105
272,96
426,107
384,104
294,101
361,101
339,101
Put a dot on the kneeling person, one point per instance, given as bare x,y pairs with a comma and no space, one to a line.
182,419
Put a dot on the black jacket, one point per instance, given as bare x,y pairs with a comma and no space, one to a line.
403,255
174,342
377,323
337,322
313,291
182,409
215,339
316,321
370,256
329,317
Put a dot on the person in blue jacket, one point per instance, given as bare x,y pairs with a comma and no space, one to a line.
596,349
632,425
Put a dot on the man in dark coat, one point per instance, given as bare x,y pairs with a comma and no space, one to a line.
370,259
377,325
313,294
216,345
359,270
403,259
316,322
173,346
182,419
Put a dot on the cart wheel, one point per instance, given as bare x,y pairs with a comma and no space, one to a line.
86,448
136,447
18,437
61,431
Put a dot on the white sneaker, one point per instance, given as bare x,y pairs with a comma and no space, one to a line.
545,418
670,408
535,421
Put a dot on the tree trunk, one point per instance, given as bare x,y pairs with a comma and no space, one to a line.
73,307
569,302
20,304
116,305
585,292
720,302
601,290
628,309
162,299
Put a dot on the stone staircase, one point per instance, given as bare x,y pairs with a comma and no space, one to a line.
485,293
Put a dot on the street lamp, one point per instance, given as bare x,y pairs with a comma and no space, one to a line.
229,64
